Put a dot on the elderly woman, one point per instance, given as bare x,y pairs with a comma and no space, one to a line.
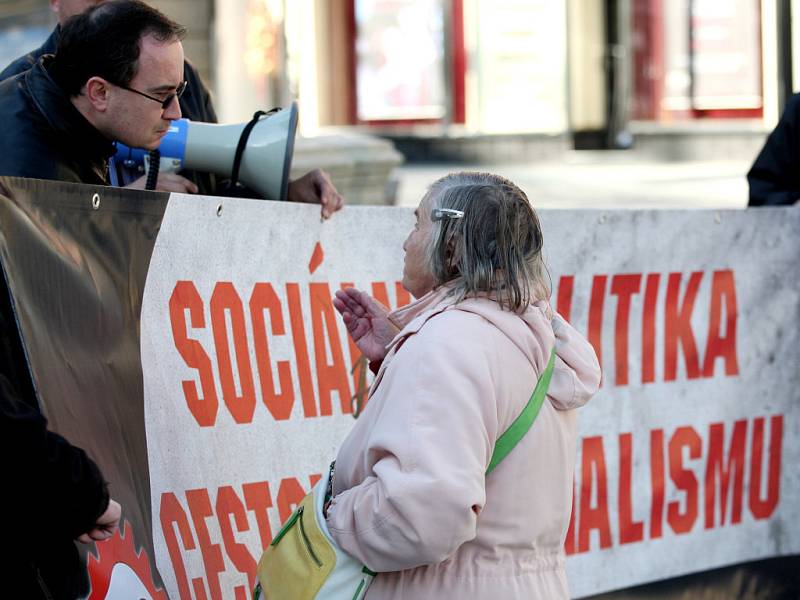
410,496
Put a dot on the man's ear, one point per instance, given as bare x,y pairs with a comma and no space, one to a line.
96,90
55,5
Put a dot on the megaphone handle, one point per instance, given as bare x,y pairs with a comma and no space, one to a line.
152,172
245,135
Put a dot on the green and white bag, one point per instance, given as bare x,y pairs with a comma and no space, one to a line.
304,563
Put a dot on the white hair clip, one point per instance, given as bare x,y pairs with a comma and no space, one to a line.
446,213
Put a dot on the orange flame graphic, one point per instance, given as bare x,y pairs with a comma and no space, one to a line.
119,549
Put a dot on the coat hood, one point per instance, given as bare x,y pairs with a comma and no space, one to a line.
576,374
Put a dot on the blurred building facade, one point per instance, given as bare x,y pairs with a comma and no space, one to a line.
479,80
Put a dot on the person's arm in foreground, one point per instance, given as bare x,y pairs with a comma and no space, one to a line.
57,489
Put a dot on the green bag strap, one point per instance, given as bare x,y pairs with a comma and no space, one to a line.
521,425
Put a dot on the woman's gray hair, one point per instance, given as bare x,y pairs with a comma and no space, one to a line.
486,238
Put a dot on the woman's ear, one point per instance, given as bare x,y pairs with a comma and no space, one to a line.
96,91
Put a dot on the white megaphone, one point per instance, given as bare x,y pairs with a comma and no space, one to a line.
257,153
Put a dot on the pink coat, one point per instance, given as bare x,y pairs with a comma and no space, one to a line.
410,497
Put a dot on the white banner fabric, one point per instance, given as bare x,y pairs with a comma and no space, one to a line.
685,456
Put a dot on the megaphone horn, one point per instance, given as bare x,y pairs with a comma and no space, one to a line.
257,153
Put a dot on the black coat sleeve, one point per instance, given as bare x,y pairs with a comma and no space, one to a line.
774,178
52,487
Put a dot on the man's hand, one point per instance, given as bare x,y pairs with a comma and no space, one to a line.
107,524
166,182
367,322
315,187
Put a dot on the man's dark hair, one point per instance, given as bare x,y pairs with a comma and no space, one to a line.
105,40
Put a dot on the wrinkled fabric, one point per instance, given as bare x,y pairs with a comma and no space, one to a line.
410,497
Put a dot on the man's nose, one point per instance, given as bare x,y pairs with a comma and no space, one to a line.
173,111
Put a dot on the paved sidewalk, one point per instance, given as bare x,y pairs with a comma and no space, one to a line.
603,180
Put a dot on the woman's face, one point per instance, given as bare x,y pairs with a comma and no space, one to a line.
417,276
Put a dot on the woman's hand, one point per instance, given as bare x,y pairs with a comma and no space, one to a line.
367,322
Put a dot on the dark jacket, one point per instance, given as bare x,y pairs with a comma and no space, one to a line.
52,493
44,136
196,103
774,178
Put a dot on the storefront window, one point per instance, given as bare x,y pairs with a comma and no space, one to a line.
696,58
400,60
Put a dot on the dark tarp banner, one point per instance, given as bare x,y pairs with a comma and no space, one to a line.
75,258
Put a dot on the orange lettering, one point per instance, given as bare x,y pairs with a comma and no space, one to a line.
229,505
649,328
565,286
678,326
380,293
596,315
172,514
279,405
331,376
624,286
185,297
258,499
403,297
717,470
593,466
200,509
301,350
629,530
722,288
684,479
763,509
225,299
656,482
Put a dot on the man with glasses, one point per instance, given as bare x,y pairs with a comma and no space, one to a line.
117,73
196,103
314,187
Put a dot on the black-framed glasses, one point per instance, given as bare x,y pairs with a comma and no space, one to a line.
166,101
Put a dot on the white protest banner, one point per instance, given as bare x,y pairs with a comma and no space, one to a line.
685,454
